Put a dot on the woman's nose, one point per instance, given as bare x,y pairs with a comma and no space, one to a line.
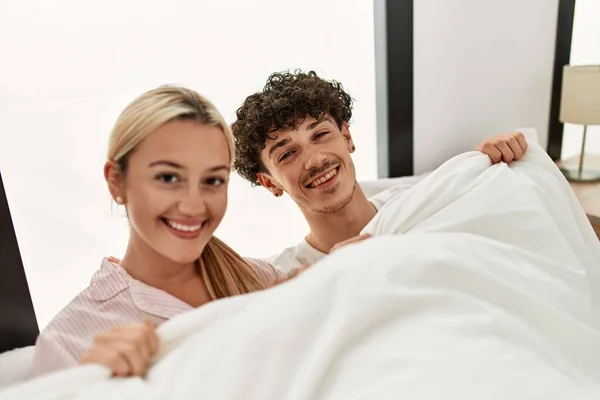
193,205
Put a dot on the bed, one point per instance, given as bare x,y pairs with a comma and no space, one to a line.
15,362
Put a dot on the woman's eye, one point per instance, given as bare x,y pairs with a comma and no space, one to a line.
215,181
168,178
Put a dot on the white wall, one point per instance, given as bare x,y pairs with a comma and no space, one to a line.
68,68
585,49
482,68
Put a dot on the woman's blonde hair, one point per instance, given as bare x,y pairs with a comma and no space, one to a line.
225,273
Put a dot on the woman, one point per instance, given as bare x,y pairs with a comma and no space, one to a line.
169,159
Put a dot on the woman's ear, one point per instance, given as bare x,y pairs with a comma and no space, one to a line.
114,180
269,183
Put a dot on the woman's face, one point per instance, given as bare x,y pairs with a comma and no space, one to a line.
175,189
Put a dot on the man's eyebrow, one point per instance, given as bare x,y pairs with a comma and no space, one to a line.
319,122
277,145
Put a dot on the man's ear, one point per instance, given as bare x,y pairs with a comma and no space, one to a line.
269,183
114,180
348,137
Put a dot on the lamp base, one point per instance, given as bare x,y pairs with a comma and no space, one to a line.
587,175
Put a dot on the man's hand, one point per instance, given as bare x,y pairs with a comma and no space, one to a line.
507,148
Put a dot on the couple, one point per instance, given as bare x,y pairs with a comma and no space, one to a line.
169,159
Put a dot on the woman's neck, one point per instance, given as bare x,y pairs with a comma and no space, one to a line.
152,268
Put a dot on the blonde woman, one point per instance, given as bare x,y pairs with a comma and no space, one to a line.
169,159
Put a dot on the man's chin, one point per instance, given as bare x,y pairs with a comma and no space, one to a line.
335,204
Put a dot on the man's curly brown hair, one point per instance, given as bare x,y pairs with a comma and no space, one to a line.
285,101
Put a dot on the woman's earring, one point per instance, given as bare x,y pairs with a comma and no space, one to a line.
353,148
277,194
119,200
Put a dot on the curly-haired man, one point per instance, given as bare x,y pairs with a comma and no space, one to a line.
294,137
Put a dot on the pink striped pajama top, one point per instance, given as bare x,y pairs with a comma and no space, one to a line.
113,298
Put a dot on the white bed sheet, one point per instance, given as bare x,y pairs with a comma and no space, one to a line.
481,282
15,365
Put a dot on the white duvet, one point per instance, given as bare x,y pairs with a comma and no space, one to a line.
481,283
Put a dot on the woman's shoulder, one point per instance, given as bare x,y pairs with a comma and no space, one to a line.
97,308
99,301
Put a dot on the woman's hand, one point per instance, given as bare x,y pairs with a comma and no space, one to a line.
126,351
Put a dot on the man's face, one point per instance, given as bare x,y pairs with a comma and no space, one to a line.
312,164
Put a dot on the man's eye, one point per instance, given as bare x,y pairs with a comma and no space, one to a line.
285,155
168,178
320,135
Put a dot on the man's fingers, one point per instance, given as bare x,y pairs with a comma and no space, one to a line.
507,153
492,152
522,141
515,147
505,148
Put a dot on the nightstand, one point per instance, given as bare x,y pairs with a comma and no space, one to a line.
587,193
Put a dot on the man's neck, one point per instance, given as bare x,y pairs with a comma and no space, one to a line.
328,229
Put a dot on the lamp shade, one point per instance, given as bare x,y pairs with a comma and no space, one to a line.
580,100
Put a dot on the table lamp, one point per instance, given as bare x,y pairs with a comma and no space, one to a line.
580,104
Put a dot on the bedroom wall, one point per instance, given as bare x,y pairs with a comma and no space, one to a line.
69,68
480,68
585,49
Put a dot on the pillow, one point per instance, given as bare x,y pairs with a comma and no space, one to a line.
15,365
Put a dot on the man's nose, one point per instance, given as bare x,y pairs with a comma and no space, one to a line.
315,161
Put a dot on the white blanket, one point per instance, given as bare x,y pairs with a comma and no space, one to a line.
491,292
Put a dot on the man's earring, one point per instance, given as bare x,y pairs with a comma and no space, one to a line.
277,194
353,148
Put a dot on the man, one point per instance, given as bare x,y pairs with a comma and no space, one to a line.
294,137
